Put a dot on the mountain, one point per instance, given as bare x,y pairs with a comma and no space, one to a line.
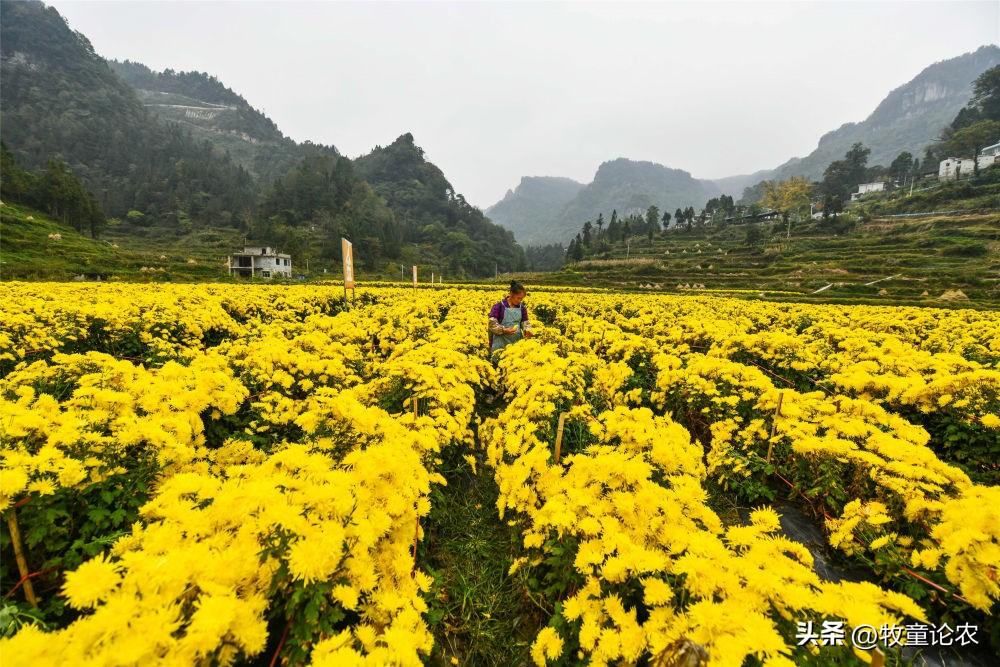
627,186
62,101
171,155
215,113
430,211
734,185
908,119
535,198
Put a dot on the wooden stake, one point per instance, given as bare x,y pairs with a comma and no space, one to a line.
416,406
22,563
770,440
416,538
878,657
559,435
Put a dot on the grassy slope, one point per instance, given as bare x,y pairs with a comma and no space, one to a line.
27,252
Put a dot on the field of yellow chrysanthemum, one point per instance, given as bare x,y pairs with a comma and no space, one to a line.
219,473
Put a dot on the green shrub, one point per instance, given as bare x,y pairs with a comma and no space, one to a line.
966,250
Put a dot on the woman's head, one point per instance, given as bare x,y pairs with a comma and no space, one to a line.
517,293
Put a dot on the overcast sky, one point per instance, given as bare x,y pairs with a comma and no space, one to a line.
496,91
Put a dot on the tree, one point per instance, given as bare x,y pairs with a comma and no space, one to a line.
984,106
600,224
666,220
727,204
902,166
787,197
832,206
754,235
571,251
971,140
652,221
986,94
689,216
653,216
626,229
545,258
841,177
586,233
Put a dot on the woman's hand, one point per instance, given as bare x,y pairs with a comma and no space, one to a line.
510,330
527,333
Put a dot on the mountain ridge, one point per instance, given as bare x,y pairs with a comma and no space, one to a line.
908,118
623,185
212,111
200,157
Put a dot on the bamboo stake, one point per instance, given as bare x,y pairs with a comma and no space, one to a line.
416,538
22,563
416,406
559,435
770,441
878,657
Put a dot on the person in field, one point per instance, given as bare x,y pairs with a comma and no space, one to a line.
508,319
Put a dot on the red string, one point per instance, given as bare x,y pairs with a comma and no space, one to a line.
281,644
23,579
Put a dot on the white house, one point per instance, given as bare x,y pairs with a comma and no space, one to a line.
960,167
993,151
866,188
262,261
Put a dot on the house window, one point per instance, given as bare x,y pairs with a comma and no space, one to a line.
266,274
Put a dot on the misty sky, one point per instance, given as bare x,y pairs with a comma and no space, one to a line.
493,92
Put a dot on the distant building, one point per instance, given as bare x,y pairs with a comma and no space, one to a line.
760,216
867,188
961,167
260,261
992,151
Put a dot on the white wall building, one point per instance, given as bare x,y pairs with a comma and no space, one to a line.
260,262
993,150
963,167
866,188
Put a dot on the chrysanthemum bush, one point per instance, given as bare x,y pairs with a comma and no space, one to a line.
285,505
221,473
621,534
841,454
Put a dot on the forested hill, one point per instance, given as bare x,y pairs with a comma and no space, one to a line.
909,118
175,154
536,198
214,112
622,185
62,101
428,208
631,186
